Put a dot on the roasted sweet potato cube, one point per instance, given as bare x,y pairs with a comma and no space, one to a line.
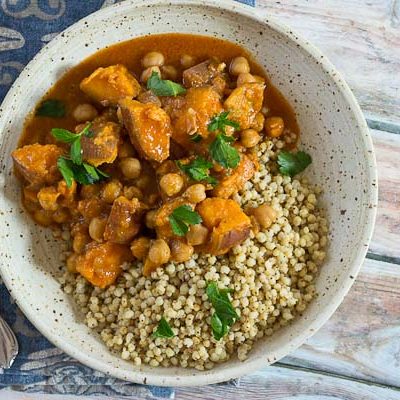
111,84
201,105
202,74
149,128
123,223
228,224
244,103
101,263
103,146
37,163
234,182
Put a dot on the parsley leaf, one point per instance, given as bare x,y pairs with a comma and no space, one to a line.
181,218
225,315
72,167
163,87
219,122
76,152
51,108
83,173
223,153
163,330
293,163
198,170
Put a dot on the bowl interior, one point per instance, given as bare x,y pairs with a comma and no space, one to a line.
333,132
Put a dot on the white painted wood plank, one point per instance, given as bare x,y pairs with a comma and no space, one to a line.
361,340
362,39
386,238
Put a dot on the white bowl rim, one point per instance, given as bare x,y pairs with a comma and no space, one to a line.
230,372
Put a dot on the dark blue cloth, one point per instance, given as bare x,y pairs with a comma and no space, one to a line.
25,26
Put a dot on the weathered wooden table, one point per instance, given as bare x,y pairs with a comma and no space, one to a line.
356,355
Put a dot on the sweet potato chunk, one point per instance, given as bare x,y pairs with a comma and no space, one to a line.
232,183
228,224
201,105
103,146
101,263
149,128
123,223
244,103
203,74
111,84
37,163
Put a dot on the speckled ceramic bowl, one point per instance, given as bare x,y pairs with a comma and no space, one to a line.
333,131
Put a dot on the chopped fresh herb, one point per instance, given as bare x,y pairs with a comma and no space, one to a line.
163,87
196,138
225,315
198,170
163,330
73,167
76,152
219,122
83,173
293,163
181,218
223,153
51,108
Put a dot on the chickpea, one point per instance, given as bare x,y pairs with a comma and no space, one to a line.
197,235
274,126
90,191
169,72
79,242
171,184
126,150
150,219
180,251
264,215
61,215
245,78
187,61
258,123
43,217
146,74
131,192
96,228
111,191
140,247
71,263
239,65
249,138
195,193
84,112
153,59
159,252
130,167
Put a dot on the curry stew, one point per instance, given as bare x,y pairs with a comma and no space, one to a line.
153,138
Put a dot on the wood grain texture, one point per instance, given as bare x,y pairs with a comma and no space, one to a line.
361,340
361,38
386,238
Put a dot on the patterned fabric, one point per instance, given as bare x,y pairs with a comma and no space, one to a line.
25,26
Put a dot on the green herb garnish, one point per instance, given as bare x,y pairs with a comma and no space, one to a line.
219,122
51,108
72,167
163,330
223,153
181,218
293,163
225,315
164,87
198,170
196,138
